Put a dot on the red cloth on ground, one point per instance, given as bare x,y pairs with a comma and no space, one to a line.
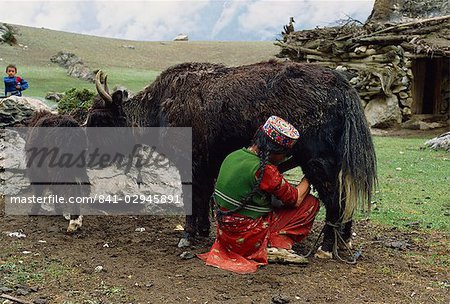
241,242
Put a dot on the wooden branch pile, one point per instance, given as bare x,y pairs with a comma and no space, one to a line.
377,59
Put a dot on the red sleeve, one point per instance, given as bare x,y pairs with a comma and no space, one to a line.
274,183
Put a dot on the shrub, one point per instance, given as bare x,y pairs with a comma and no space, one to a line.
76,103
8,34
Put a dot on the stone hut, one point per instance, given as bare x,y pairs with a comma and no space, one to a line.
398,60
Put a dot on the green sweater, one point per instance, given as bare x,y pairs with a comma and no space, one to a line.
236,180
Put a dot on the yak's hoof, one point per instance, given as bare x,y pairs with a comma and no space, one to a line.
184,242
324,255
74,225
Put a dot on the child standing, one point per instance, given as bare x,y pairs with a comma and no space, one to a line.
14,85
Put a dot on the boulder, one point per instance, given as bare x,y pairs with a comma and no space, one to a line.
181,37
75,66
440,142
415,124
80,71
383,112
153,182
66,59
15,110
12,158
56,97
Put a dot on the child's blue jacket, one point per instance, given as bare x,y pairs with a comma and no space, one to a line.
12,82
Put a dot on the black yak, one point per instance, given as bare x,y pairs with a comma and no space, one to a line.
44,132
225,105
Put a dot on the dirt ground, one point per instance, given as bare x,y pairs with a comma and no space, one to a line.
396,266
145,267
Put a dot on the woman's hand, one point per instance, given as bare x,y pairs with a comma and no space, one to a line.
303,189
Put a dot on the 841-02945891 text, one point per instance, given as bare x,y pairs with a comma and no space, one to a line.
99,198
138,199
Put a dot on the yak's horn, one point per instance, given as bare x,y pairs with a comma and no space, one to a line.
102,87
106,85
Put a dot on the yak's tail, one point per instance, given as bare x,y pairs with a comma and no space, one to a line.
357,177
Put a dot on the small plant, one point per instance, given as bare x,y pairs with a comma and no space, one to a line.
8,34
76,103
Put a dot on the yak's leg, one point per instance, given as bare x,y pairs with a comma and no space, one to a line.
38,191
347,235
190,227
331,218
204,207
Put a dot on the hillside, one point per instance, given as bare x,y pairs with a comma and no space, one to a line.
105,52
133,64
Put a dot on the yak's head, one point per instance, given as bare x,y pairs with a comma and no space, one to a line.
107,109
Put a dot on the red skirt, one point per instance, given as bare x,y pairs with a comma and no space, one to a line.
241,242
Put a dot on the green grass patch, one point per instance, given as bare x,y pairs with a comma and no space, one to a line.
413,184
55,79
413,190
24,271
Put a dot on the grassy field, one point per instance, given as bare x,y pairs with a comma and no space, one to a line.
131,68
55,79
413,185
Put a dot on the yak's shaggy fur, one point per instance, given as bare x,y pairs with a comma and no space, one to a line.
224,106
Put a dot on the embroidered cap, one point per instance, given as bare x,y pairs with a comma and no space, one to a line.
280,131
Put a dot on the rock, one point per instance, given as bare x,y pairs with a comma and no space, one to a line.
56,97
415,124
383,112
7,302
399,88
131,47
440,142
179,228
403,95
187,255
18,235
405,80
15,109
112,181
66,59
280,299
4,289
184,242
361,49
396,244
75,66
139,229
407,102
22,292
355,80
99,269
181,37
149,183
80,71
40,301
